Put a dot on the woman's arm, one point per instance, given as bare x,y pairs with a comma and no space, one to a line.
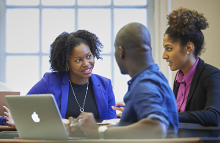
2,120
210,116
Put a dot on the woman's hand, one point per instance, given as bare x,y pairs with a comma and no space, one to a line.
119,109
8,117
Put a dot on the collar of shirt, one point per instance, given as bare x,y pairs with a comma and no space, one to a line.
187,78
149,67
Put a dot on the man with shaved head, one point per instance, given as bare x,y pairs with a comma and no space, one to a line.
150,107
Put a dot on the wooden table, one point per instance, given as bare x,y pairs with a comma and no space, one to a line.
7,128
173,140
179,140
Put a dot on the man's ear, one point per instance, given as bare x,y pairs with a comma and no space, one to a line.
122,52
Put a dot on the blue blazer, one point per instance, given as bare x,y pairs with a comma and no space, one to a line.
58,85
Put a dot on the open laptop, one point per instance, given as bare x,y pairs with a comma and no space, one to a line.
37,117
2,99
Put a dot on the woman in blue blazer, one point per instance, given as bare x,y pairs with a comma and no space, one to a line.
196,85
72,83
58,85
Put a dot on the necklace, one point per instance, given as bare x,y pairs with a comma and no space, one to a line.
80,108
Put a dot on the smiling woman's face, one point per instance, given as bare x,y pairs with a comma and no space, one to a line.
173,54
81,63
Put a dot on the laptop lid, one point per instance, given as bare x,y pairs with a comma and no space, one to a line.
37,117
2,99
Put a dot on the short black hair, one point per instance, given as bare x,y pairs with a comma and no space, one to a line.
185,26
63,46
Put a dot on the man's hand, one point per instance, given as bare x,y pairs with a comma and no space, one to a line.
76,131
87,123
8,117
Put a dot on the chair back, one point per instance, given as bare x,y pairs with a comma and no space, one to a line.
2,99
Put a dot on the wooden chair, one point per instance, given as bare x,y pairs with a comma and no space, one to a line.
2,99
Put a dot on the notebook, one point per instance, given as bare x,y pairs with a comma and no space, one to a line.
37,117
2,99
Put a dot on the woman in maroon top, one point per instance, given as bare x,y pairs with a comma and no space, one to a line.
196,85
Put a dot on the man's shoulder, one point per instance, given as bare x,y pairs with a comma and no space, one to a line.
151,82
152,76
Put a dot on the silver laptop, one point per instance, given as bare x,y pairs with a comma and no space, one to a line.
37,117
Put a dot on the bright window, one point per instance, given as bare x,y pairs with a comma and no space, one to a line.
28,28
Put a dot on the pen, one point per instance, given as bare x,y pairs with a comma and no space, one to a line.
120,106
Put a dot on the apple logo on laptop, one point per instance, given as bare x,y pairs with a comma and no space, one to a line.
35,117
